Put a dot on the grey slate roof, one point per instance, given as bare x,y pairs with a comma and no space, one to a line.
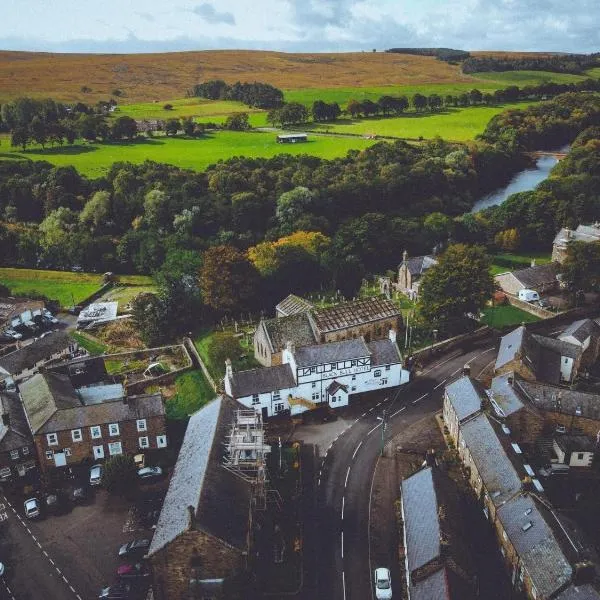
434,587
464,397
260,381
510,345
581,330
575,443
334,351
384,352
16,434
417,265
535,277
579,592
536,546
220,499
295,328
505,395
41,349
421,521
583,233
293,305
13,307
496,470
564,400
351,314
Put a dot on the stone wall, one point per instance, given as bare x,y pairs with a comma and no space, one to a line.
532,309
376,330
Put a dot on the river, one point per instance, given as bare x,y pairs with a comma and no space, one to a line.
522,182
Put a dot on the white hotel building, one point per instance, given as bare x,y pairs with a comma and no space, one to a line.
312,375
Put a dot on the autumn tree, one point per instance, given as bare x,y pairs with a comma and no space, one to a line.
508,240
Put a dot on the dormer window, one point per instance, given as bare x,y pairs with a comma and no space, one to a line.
527,526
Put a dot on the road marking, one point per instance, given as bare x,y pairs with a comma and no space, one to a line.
356,450
319,482
378,404
371,409
486,366
374,428
344,582
72,589
397,412
455,372
440,384
347,475
342,544
439,365
343,504
363,415
420,398
369,523
65,580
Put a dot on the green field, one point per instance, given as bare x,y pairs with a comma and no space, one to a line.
525,78
92,346
95,159
192,393
506,316
501,263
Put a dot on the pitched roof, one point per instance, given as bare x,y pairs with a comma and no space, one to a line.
421,521
434,587
495,468
579,592
15,434
537,276
510,346
581,330
28,356
321,354
293,305
583,233
464,397
260,381
384,352
535,544
220,499
504,395
11,307
294,328
44,394
575,443
417,265
334,386
351,314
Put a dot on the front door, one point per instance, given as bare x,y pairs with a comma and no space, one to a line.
265,415
98,452
60,459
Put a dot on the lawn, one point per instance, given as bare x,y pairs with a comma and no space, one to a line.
63,286
95,159
506,316
192,392
91,345
501,263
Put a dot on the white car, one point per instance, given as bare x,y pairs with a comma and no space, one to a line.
149,472
383,584
1,569
32,508
11,333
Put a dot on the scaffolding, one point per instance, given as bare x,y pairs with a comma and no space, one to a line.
246,452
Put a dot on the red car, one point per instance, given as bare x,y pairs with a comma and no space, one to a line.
134,571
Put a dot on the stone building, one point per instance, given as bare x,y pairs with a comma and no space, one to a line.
17,452
583,233
16,311
540,278
203,534
71,425
292,305
410,272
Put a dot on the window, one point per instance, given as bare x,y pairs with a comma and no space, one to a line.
14,454
143,442
387,367
384,381
580,455
67,451
96,432
141,424
255,399
52,439
114,448
566,360
353,377
113,429
377,373
276,396
161,441
279,407
49,454
25,450
353,388
76,435
314,384
316,396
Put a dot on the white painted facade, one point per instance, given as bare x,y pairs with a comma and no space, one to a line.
566,368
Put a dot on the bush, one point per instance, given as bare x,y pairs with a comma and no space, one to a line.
168,107
221,347
119,474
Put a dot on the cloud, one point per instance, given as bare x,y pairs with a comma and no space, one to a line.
146,16
321,13
208,12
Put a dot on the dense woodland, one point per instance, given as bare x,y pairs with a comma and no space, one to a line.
559,63
447,54
259,95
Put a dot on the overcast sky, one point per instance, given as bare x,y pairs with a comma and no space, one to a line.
298,25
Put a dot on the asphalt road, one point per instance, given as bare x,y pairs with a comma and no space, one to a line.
345,478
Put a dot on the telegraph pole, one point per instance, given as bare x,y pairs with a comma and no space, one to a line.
383,428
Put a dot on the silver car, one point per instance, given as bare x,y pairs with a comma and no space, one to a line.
32,508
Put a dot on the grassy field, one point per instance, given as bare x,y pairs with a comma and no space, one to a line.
192,392
91,345
510,262
506,316
524,78
95,159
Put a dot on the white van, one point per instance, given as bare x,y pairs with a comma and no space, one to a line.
528,295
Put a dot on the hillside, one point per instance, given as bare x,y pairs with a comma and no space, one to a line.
149,77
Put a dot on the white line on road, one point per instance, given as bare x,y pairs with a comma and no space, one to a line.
342,544
65,580
344,583
72,588
347,475
363,415
455,372
440,384
378,404
356,450
343,504
438,365
397,412
371,409
374,428
420,398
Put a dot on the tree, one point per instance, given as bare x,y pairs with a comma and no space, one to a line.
172,126
292,113
228,281
188,126
20,137
119,473
434,101
123,127
419,102
97,212
147,313
460,283
237,122
369,108
507,240
581,268
292,205
354,107
38,130
274,117
223,346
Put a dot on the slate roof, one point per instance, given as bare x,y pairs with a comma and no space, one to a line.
334,386
464,397
510,345
581,330
351,314
575,443
28,356
434,587
583,233
563,400
421,521
495,468
16,434
295,328
417,265
220,499
321,354
260,381
293,305
505,396
538,276
11,307
579,592
537,547
384,352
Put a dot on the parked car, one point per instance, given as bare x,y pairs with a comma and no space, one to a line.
14,335
1,569
78,494
135,571
552,470
560,429
48,316
383,584
96,474
544,303
32,508
529,295
134,548
150,473
54,503
118,591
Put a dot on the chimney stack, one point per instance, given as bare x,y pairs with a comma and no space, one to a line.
228,369
191,515
392,335
289,346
